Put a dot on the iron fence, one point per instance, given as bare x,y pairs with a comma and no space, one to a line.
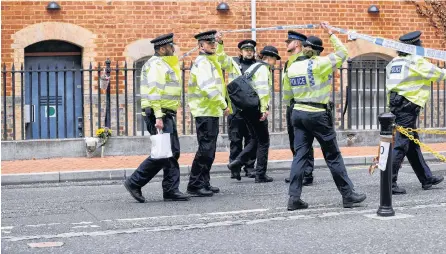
60,102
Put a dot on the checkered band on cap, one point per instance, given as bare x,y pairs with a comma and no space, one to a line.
247,45
294,37
207,37
163,42
269,51
411,41
311,44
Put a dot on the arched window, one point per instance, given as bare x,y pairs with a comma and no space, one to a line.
368,90
140,125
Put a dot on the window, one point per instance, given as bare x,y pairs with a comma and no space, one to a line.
368,90
140,125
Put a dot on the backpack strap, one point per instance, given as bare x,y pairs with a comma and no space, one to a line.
251,73
236,59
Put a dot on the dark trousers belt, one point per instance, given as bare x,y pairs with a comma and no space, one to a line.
313,104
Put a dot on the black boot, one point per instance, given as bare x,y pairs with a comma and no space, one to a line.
134,191
295,203
287,180
213,189
263,179
235,167
353,198
250,172
396,190
433,181
175,196
307,181
200,192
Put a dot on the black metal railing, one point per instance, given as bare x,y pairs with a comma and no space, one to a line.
61,102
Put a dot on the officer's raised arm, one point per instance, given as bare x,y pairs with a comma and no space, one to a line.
430,71
335,59
222,57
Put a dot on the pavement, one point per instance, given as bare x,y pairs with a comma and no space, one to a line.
118,167
245,217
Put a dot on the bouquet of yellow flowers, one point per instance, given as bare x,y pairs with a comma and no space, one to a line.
103,134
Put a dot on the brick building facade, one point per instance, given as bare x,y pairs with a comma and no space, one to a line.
121,31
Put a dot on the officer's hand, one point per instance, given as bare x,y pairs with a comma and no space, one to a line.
226,112
324,26
159,124
264,116
219,37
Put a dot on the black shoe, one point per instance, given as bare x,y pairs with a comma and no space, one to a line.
307,181
295,203
213,189
396,190
201,192
235,175
433,181
250,173
175,196
263,179
287,180
353,198
134,191
235,167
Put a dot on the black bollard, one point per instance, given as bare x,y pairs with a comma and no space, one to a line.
386,121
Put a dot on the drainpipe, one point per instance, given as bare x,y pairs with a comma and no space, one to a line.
253,19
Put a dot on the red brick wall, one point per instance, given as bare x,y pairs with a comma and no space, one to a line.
121,22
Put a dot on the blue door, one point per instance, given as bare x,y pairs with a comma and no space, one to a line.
54,98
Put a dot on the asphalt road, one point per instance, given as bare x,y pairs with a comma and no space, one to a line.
101,217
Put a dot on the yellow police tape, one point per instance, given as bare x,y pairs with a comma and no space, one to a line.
406,132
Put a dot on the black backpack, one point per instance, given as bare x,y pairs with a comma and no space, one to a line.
242,94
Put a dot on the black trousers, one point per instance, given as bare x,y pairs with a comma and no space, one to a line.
238,131
207,133
319,125
150,167
290,129
259,143
406,114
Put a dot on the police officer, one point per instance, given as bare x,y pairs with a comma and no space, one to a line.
257,121
208,100
408,83
237,126
294,47
161,93
310,85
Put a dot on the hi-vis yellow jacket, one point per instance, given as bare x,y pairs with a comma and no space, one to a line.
207,94
161,84
411,76
262,83
311,80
